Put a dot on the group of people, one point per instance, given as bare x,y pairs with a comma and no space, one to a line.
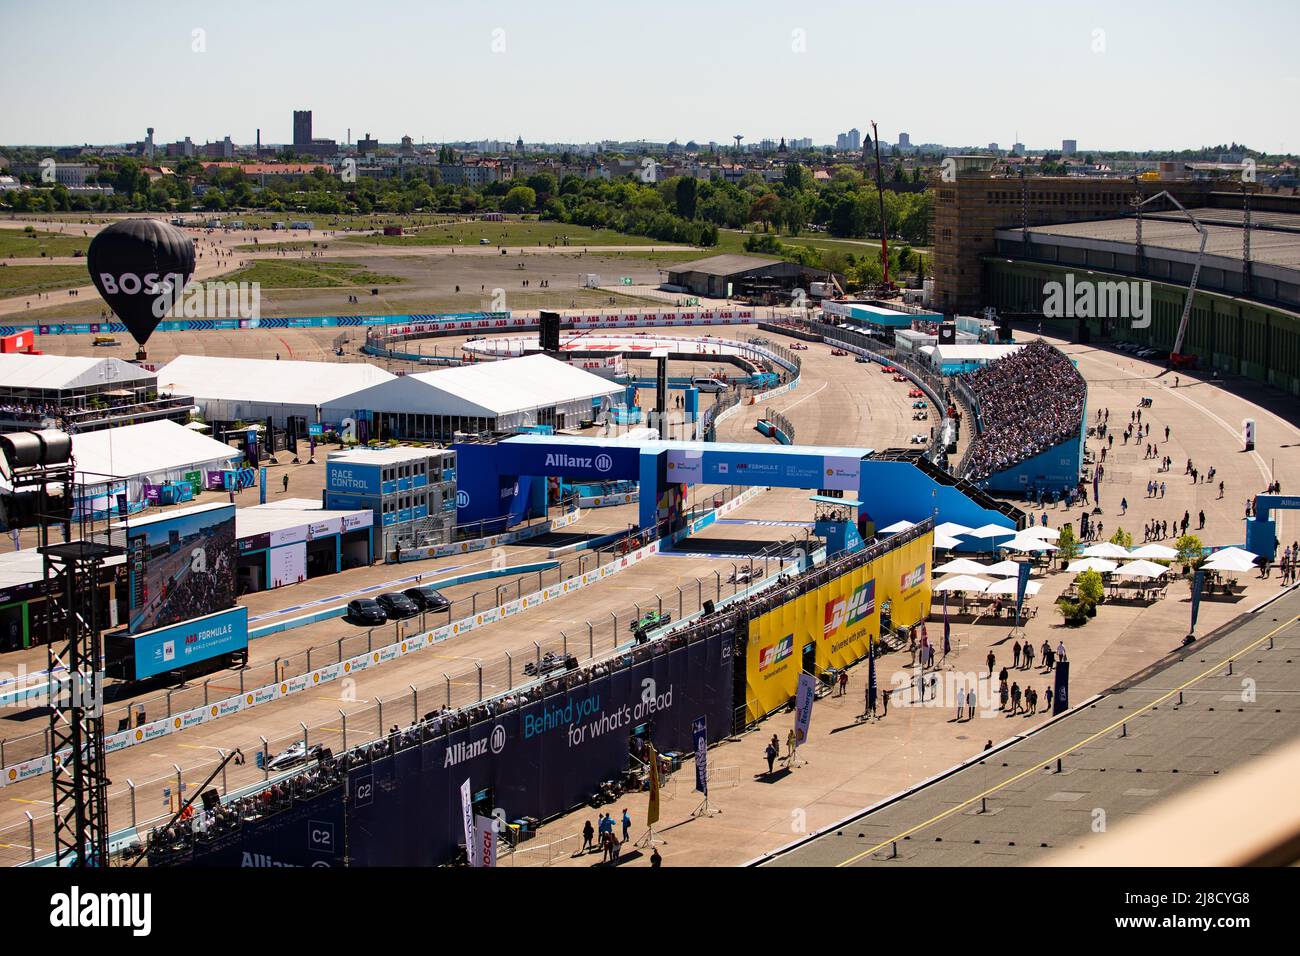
1028,402
603,835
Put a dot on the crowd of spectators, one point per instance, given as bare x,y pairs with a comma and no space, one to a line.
1029,402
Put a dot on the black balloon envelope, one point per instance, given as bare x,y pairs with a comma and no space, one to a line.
140,267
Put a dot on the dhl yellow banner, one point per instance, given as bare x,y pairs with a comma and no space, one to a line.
831,626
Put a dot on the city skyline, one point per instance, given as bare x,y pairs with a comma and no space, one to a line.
498,64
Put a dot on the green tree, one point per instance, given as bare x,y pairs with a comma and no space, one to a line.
1090,587
687,197
520,199
1067,545
1189,549
1122,538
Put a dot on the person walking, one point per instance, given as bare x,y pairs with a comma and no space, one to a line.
1002,696
656,861
884,697
1015,698
961,703
1015,655
970,703
844,682
286,482
588,834
991,659
627,824
771,754
1028,655
1047,697
1060,651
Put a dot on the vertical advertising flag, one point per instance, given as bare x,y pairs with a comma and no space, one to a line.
486,832
1061,696
803,705
1022,582
1096,488
652,810
699,731
467,815
261,480
1198,582
871,678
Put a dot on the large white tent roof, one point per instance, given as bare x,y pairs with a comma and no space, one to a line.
148,449
266,381
485,389
62,372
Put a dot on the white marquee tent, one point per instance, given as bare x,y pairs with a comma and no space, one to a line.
511,393
234,389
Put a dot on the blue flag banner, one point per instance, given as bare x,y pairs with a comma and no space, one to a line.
699,730
1198,583
1061,695
261,478
803,705
1022,582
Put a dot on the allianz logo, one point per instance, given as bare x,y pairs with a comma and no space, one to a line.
464,750
601,462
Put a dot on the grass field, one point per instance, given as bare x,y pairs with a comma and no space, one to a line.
263,220
28,280
509,233
308,274
16,244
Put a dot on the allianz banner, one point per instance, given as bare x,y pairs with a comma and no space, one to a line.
538,761
310,833
834,623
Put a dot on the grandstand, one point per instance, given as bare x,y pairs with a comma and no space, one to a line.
1029,413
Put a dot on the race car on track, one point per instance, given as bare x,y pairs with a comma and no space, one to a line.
861,359
838,352
799,347
900,378
650,620
919,404
915,393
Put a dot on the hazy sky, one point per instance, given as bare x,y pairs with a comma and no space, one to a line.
1110,74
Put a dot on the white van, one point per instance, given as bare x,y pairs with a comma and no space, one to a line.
709,384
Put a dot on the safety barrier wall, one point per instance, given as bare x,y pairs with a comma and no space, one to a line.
492,541
540,758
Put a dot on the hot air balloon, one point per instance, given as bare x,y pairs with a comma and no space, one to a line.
140,267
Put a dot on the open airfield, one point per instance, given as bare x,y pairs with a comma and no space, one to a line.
847,764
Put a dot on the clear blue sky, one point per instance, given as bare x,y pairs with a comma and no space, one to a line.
1172,74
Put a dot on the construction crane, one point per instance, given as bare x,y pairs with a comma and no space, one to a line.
1176,357
884,228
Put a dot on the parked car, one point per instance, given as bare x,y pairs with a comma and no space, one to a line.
367,612
427,598
397,605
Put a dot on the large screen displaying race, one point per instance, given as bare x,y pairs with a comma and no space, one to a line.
182,566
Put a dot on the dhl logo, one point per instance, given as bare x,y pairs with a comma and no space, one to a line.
775,653
860,604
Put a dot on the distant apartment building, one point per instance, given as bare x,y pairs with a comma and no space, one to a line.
367,145
904,140
183,149
222,150
70,175
302,127
855,139
1069,147
474,175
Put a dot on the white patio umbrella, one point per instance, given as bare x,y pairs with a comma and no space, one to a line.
951,529
1105,549
198,427
1141,569
1100,565
990,531
1043,531
1231,563
1154,552
944,542
896,527
1008,586
961,566
1004,569
1026,543
961,582
1235,553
